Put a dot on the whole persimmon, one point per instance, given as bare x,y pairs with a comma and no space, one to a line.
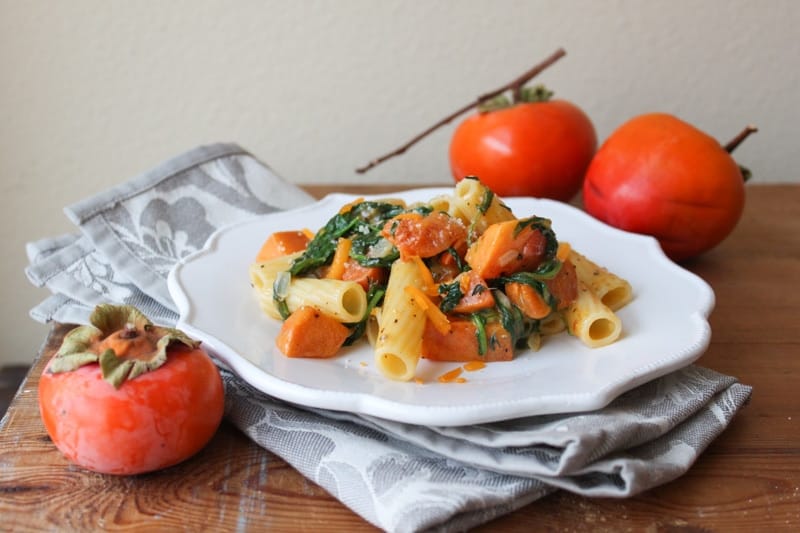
123,396
660,176
536,147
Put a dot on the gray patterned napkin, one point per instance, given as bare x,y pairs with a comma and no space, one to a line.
399,477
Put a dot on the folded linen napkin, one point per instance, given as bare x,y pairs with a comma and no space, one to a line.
399,477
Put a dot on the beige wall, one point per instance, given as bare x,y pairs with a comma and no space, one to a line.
94,92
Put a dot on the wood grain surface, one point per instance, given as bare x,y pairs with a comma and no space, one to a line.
748,479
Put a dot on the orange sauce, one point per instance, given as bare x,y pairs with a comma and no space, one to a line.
472,366
451,376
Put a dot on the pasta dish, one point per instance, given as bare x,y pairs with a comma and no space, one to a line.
456,278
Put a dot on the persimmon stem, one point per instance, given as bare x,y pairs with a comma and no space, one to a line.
515,86
736,141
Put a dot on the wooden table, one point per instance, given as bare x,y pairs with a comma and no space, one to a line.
748,479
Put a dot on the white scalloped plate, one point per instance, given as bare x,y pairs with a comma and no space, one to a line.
664,328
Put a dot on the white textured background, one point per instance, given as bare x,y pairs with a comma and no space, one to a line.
95,92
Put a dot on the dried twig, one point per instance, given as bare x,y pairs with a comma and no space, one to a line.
736,141
515,86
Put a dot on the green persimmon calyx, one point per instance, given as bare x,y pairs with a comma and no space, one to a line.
122,340
527,95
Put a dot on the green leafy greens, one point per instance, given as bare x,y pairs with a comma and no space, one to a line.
362,223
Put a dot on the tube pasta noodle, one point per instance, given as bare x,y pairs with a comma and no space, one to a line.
469,199
344,300
401,322
552,324
613,291
373,326
271,268
589,319
446,203
469,260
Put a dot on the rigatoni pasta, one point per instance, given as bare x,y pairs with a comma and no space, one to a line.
612,290
344,300
478,206
552,324
589,319
401,322
458,278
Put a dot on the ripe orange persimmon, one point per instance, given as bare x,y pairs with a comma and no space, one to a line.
122,396
660,176
538,148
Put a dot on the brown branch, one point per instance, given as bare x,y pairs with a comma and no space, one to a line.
515,85
736,141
